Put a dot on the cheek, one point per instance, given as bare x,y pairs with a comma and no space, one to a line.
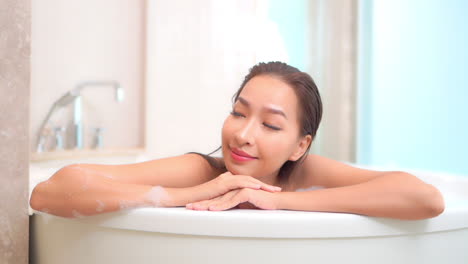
276,149
226,132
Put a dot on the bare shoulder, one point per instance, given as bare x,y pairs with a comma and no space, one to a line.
321,171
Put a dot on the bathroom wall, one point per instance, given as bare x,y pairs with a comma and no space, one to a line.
320,39
413,85
76,41
198,55
14,128
293,20
333,65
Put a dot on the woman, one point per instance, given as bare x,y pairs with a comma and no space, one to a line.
265,143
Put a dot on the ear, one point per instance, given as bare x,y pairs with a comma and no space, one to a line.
301,148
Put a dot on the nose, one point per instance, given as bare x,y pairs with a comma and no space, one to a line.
246,133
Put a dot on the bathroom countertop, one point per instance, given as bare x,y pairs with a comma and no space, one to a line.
84,153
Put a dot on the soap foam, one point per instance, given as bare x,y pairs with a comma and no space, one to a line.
101,206
85,185
310,188
157,195
77,214
125,204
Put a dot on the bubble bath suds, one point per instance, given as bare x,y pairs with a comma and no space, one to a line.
157,195
85,186
101,206
310,188
77,214
125,204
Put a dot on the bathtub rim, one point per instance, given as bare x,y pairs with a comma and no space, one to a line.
331,225
268,224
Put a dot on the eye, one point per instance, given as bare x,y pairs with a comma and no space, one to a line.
234,113
271,127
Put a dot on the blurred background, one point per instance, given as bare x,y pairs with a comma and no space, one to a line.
157,77
392,74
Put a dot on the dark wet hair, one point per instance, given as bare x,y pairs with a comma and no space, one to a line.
310,104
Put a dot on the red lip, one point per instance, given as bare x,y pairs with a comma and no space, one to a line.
240,155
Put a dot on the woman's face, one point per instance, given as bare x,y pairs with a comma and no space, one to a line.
262,132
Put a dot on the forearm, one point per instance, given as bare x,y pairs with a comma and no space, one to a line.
393,195
182,196
74,193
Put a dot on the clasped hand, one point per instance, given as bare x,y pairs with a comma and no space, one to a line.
230,191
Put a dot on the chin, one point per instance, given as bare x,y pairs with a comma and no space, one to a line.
233,168
238,169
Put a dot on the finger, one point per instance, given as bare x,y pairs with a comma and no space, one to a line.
270,188
215,204
229,195
244,182
226,197
223,204
252,183
267,187
229,201
202,205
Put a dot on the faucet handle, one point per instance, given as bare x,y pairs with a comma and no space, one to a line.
59,137
98,137
43,136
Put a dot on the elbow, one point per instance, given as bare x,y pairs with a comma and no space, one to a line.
427,200
35,201
45,193
434,201
39,196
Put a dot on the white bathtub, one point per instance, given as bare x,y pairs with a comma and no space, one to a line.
177,235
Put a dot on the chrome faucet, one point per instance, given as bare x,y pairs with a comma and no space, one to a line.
74,97
77,106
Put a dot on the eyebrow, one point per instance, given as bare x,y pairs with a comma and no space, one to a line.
268,109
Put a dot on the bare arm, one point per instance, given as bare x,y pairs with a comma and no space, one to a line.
87,189
179,171
393,194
